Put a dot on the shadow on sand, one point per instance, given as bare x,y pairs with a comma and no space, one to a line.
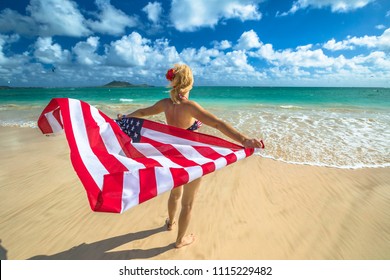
3,252
99,250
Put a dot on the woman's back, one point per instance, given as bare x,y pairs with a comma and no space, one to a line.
178,114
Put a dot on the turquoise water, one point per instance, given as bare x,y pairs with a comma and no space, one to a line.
377,98
335,127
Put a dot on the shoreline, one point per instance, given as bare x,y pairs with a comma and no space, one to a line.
262,209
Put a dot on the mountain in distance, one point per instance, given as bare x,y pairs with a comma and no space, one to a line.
121,84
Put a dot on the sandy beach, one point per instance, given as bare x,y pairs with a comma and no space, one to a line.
254,209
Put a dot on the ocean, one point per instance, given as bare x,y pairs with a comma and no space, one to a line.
333,127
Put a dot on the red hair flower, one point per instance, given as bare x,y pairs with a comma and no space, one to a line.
170,75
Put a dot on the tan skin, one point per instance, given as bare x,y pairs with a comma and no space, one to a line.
183,116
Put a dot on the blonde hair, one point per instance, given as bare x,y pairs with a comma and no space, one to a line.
182,82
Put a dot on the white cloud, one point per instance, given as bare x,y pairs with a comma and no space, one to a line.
380,26
57,18
47,18
302,56
202,56
85,52
248,40
111,20
379,42
50,53
153,11
337,46
130,50
135,51
12,21
189,15
223,45
340,6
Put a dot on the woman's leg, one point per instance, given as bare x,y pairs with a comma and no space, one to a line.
187,202
173,200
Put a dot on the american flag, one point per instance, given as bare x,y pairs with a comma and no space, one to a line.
120,170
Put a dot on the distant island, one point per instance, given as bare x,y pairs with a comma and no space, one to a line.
120,84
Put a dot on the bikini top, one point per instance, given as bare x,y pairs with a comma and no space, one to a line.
197,124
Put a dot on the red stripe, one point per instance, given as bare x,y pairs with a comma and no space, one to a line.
180,176
111,195
43,123
148,183
250,151
90,186
139,157
208,152
230,158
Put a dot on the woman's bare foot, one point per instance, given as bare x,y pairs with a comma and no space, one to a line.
169,224
186,240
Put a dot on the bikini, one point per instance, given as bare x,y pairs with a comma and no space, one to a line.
197,124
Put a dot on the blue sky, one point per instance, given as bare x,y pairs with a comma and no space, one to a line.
58,43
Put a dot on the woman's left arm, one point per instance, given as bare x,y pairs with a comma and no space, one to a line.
155,109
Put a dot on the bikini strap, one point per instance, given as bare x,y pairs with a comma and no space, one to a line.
182,96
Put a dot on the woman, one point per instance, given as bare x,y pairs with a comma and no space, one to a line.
184,113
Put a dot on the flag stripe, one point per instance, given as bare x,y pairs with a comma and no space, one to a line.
53,122
89,183
147,179
91,162
131,189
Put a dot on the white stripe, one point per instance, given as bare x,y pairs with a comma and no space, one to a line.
191,153
240,154
54,124
194,172
131,190
92,164
111,142
164,179
220,162
223,151
150,151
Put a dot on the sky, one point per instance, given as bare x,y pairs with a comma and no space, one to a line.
68,43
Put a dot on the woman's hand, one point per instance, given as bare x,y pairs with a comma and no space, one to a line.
253,143
120,117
